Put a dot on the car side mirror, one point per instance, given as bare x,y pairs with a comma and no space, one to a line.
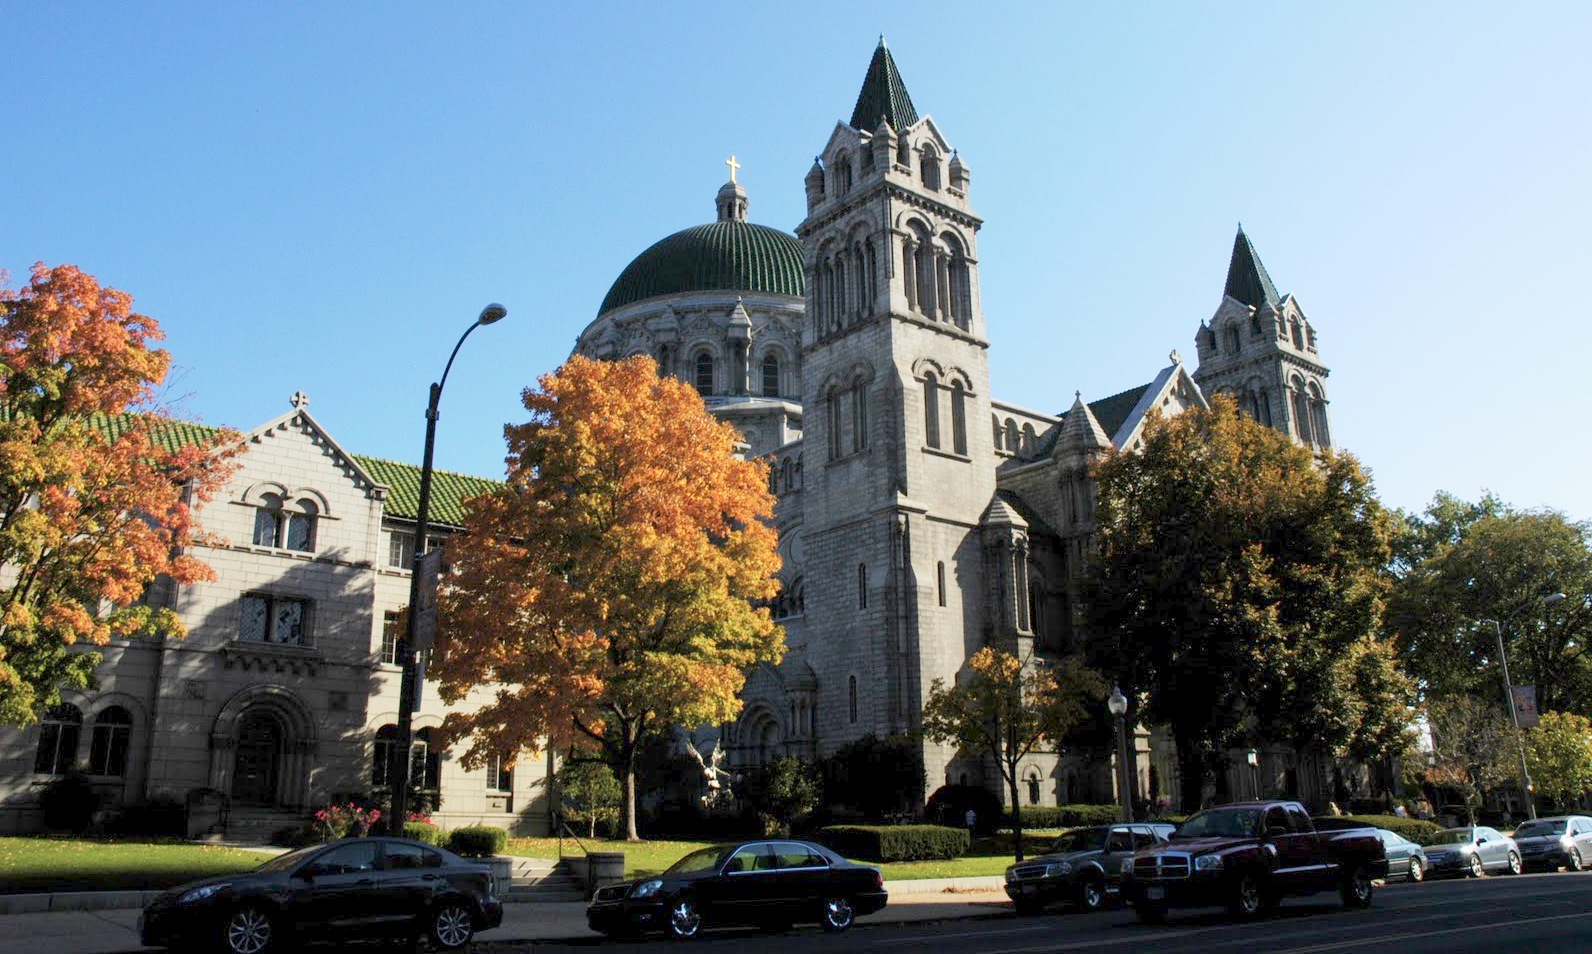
1275,831
1482,840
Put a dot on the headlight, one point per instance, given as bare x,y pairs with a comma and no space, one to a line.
646,889
199,894
1057,871
1208,862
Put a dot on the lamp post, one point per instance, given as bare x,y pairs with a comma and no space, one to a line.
1118,704
1509,695
398,765
1253,759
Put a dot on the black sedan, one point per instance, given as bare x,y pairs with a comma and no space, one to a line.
770,884
356,888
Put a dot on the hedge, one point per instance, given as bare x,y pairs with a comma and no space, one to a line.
420,831
1068,816
478,841
896,842
1414,829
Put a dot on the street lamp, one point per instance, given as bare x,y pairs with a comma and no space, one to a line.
1509,694
410,649
1118,704
1253,758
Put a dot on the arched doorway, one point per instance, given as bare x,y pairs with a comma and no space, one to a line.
258,764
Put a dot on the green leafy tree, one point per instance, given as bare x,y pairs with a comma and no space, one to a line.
1005,709
1442,524
878,777
784,791
1224,547
1559,754
1472,748
590,793
1498,567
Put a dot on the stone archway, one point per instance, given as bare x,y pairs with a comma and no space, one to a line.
262,748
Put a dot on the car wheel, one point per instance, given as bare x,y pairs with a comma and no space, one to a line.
1476,869
1092,895
837,915
1357,888
248,930
1573,862
1417,870
1248,899
452,926
1150,912
685,921
1514,863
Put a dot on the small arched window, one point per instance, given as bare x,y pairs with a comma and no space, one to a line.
58,734
108,745
267,521
1013,442
1254,326
930,166
771,375
301,526
859,416
1298,335
832,399
939,578
288,526
1028,439
381,759
851,699
842,170
425,761
931,410
1233,342
958,419
704,373
862,586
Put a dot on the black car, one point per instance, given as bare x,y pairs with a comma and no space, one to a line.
771,884
354,888
1084,865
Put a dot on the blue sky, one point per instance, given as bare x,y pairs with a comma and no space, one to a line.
322,196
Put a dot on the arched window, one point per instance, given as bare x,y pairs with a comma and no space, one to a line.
268,521
1318,417
904,152
381,759
58,733
786,475
704,373
930,165
292,527
927,271
842,169
1233,342
958,418
771,374
859,415
425,761
108,745
939,579
959,283
862,586
1254,326
1033,788
833,401
1301,412
851,699
1298,336
998,436
1263,406
1028,439
301,526
1013,442
931,410
909,274
870,277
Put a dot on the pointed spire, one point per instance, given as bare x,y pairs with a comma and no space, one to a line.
1247,280
1081,430
884,95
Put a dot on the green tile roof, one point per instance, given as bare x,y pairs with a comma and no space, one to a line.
883,96
1247,280
169,434
1112,411
449,490
719,256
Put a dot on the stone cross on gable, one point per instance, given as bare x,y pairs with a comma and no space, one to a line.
300,400
733,166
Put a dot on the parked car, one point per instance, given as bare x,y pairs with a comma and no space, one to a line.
1471,851
1563,840
1083,865
356,888
771,884
1405,859
1247,856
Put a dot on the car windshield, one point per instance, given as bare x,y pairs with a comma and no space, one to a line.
1223,823
1453,836
706,859
292,858
1084,839
1540,828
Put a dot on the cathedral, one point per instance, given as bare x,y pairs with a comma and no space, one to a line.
920,517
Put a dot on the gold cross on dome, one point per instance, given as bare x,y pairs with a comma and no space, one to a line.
733,166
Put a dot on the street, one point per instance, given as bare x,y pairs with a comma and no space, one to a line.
1539,913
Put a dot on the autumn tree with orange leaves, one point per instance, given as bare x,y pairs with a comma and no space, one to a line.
611,589
93,507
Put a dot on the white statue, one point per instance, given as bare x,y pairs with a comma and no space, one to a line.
712,771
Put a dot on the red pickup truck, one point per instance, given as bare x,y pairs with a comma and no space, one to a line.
1249,855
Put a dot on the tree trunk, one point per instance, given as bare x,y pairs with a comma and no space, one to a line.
1191,775
1017,813
630,797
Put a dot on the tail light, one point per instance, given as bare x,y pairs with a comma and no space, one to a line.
878,879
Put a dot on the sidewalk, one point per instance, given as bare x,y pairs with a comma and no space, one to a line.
115,931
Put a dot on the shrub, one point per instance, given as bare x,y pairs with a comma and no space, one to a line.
783,792
1414,829
423,831
69,803
343,821
896,842
300,836
478,841
877,777
949,804
1068,816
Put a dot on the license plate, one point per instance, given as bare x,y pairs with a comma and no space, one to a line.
1029,889
1155,892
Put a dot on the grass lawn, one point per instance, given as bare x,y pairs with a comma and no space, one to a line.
989,856
83,864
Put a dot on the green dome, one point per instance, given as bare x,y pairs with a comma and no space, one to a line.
720,256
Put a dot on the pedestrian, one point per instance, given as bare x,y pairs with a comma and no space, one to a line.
1400,811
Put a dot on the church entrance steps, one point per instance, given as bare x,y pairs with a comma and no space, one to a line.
539,879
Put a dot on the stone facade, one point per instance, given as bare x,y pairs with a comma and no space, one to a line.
279,693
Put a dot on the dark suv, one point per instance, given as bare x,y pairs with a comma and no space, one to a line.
356,888
1083,865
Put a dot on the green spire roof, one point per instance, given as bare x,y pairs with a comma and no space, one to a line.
719,256
883,95
1247,280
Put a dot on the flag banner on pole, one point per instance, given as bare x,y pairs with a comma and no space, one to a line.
1525,705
